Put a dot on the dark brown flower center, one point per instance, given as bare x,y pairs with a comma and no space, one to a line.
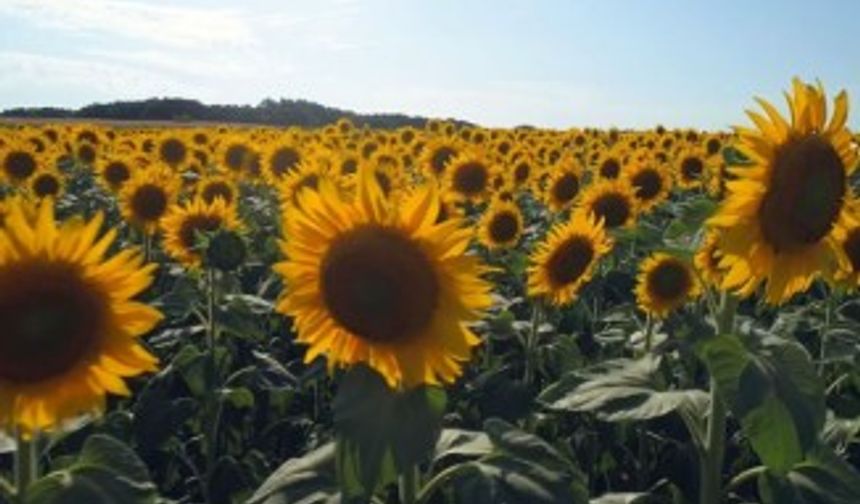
805,195
149,202
504,227
569,261
669,281
116,173
852,249
647,183
565,188
193,225
522,172
613,208
52,319
610,169
236,156
471,178
440,158
217,189
87,153
284,160
172,151
19,165
691,168
713,146
379,285
46,185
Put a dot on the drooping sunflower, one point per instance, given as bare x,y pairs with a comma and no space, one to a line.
70,326
384,285
650,182
611,200
501,225
665,283
145,198
782,218
183,223
567,258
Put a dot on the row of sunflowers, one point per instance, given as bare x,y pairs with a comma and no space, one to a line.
229,314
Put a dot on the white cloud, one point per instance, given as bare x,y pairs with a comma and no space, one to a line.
167,25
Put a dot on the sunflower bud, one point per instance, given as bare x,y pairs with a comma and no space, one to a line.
226,250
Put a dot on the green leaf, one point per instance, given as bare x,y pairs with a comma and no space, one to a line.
775,393
621,390
822,478
106,472
306,480
622,498
458,445
382,432
522,468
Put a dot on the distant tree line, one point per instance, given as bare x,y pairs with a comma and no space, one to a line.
269,112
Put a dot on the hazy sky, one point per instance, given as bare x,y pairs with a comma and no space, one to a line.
499,63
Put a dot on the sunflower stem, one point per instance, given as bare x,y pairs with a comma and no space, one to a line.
26,463
408,485
210,310
531,344
211,435
147,247
649,332
822,351
710,486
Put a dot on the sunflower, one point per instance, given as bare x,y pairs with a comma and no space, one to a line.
650,182
707,259
388,286
691,169
19,162
784,215
308,175
665,283
172,150
468,176
501,225
436,155
609,167
211,187
567,258
145,198
562,188
279,160
46,182
612,201
114,172
70,325
183,224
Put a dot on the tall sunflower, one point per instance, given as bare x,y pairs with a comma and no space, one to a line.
783,216
388,286
665,283
468,176
183,224
501,225
562,188
567,258
650,183
70,326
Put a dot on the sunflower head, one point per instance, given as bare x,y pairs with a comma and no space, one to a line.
650,182
562,188
707,259
501,225
114,172
184,224
46,183
691,168
611,201
468,176
146,197
665,283
383,284
19,162
212,187
783,215
70,324
567,258
172,150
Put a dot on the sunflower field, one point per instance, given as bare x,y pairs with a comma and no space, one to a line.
454,314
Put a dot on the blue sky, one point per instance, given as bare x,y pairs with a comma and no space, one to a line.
499,63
